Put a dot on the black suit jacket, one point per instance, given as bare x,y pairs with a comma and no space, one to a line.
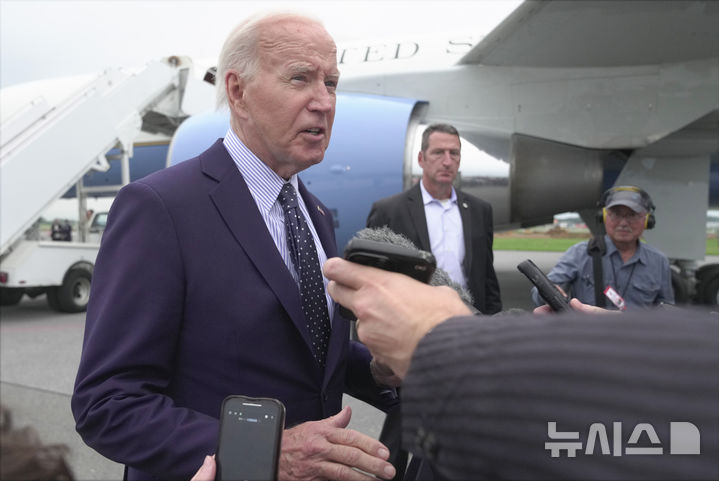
404,214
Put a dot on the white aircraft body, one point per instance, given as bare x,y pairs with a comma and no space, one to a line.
562,100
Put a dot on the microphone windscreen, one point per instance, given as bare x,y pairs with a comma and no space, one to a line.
439,277
386,235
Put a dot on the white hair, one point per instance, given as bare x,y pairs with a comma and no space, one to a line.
240,50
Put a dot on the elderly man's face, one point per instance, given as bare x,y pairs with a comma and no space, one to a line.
624,225
289,106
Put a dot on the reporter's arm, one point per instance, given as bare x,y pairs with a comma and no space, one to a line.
480,393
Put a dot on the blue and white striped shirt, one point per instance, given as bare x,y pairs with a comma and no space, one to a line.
265,185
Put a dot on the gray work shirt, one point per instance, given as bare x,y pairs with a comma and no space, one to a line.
645,280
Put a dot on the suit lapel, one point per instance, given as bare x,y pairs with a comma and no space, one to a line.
465,212
238,209
415,204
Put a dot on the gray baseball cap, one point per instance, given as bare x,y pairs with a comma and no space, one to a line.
631,197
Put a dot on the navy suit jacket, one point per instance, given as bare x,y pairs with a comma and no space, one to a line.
192,302
404,214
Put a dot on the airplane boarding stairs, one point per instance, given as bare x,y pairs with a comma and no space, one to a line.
46,150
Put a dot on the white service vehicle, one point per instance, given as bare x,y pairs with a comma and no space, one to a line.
42,155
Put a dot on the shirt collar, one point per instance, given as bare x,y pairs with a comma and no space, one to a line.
428,199
263,182
640,254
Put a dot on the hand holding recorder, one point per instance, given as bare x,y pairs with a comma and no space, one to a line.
414,263
395,310
549,292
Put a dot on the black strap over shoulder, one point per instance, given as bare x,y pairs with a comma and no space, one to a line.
596,247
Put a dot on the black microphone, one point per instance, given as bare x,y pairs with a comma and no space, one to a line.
439,277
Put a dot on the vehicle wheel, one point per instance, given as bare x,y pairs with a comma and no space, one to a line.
74,293
708,289
10,296
706,271
681,288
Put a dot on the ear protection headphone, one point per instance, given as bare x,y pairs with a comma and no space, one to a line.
649,220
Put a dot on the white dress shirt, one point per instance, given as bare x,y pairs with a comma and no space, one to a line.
446,235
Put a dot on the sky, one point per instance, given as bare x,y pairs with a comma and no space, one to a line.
45,39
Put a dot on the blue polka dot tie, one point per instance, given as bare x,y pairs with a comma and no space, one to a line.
307,264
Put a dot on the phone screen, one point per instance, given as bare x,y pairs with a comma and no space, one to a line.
250,436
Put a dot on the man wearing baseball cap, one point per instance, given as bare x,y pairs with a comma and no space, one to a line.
616,270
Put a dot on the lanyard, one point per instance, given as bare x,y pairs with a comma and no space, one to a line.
629,280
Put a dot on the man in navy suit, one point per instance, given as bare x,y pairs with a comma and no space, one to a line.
455,226
195,295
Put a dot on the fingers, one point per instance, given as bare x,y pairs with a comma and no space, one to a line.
344,272
342,418
353,464
543,309
206,471
350,438
352,452
326,450
339,292
577,305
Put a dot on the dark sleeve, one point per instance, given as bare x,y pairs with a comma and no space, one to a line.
133,323
480,396
360,383
493,298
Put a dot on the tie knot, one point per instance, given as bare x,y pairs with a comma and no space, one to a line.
288,196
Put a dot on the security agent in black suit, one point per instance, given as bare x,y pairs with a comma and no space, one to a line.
405,213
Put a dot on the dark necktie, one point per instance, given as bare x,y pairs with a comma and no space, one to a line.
307,264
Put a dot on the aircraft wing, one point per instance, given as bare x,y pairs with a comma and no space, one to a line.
570,97
577,34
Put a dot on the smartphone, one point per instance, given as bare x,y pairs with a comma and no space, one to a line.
547,290
250,436
415,263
